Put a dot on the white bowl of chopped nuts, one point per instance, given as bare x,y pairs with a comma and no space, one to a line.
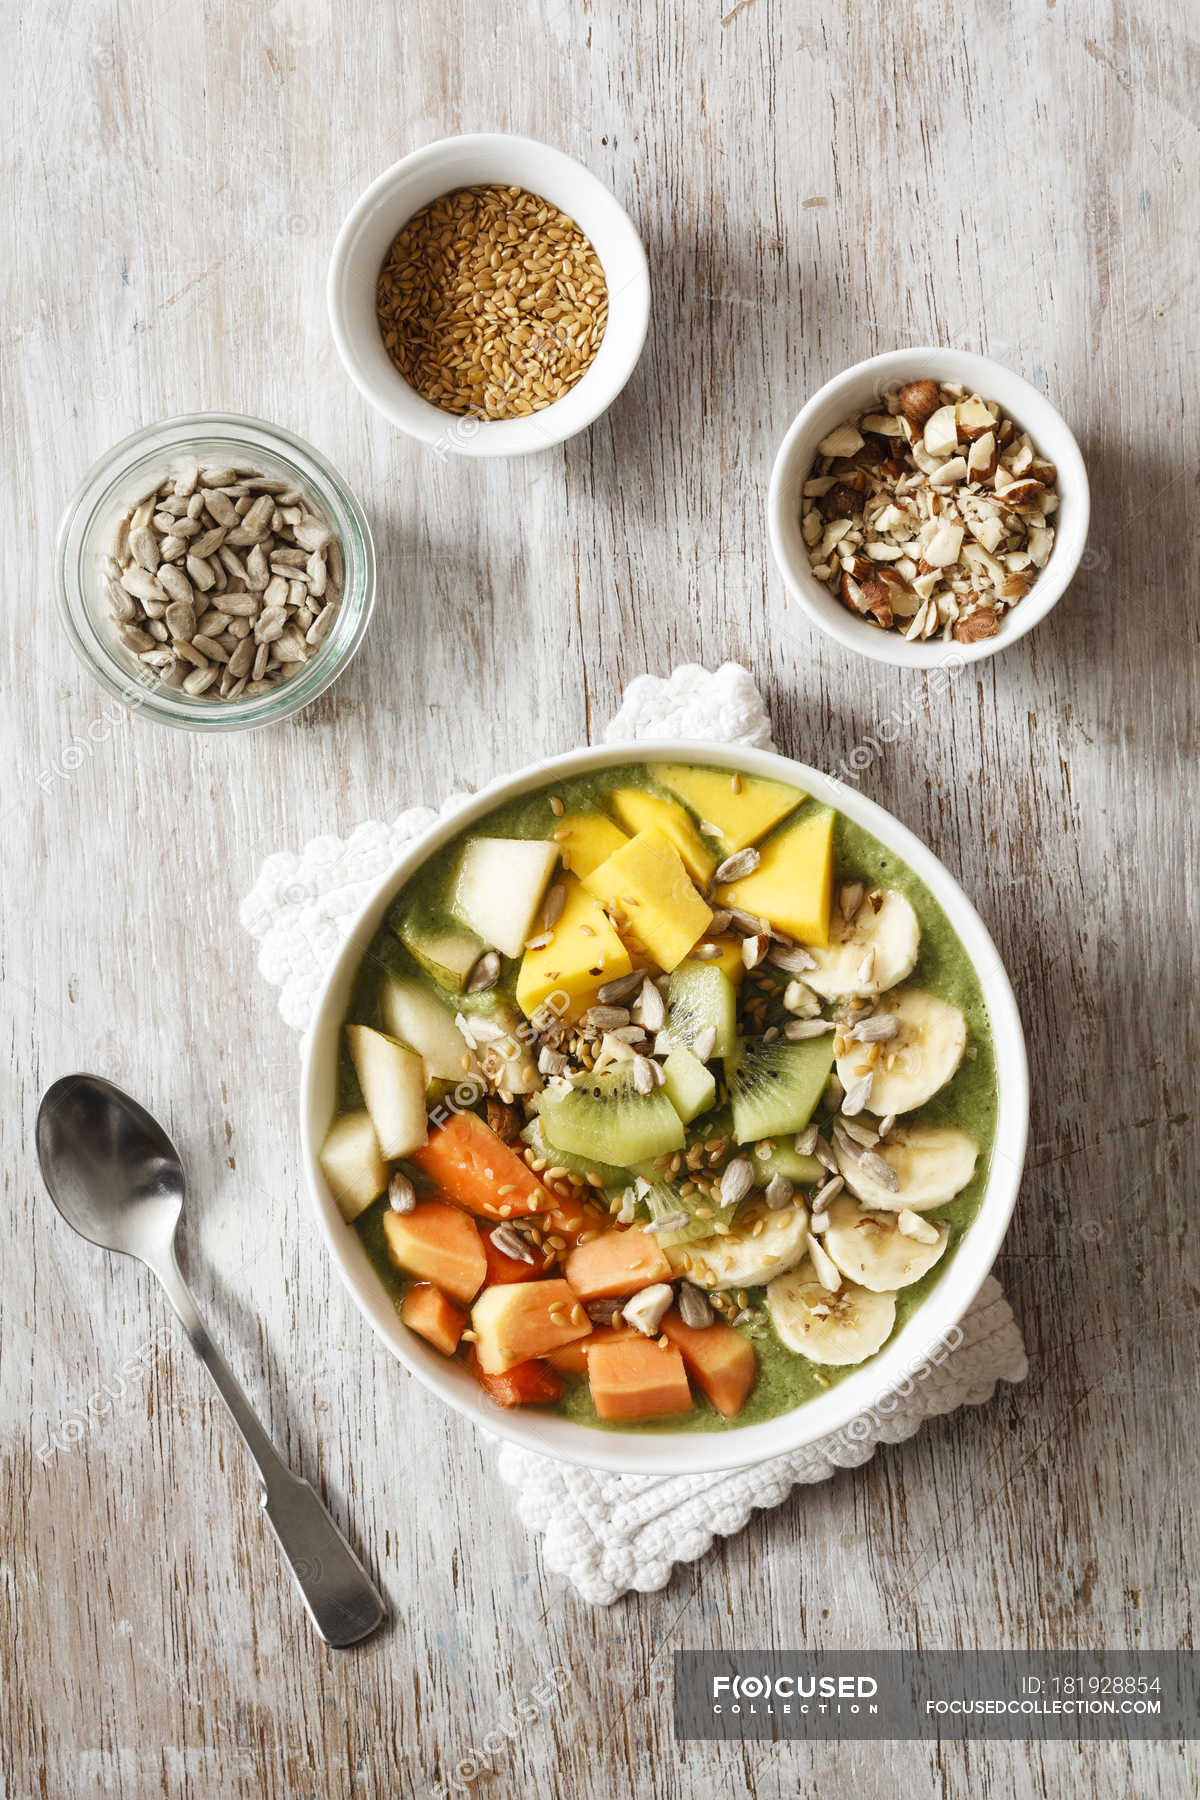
489,296
928,507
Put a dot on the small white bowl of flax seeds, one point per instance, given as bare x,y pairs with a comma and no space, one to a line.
489,296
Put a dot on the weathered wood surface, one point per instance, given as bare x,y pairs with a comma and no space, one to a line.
813,185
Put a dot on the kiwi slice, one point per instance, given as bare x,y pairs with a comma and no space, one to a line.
604,1115
774,1088
699,996
784,1159
534,1135
661,1200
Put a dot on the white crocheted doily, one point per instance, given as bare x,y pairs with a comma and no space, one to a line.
609,1533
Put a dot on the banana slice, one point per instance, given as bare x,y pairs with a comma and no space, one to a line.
834,1329
751,1254
870,1248
932,1163
868,953
910,1067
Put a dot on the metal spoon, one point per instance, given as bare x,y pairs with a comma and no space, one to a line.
116,1178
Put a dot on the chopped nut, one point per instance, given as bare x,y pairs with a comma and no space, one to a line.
931,514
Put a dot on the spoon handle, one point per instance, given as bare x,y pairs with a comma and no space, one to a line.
342,1601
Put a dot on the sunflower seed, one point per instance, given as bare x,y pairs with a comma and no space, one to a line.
857,1132
857,1095
649,1009
175,583
806,1141
743,862
737,1179
877,1029
511,1243
621,988
850,899
748,924
270,625
210,647
604,1018
539,942
824,1155
753,950
199,681
321,626
797,1029
880,1170
793,959
866,967
141,584
556,899
706,952
720,920
671,1221
485,974
201,572
886,1124
830,1192
694,1307
704,1043
180,619
779,1191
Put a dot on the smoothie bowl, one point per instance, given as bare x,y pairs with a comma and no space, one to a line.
666,1107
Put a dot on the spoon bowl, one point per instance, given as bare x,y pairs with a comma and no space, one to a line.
110,1168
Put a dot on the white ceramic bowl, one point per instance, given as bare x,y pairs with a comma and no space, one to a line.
486,159
859,388
863,1393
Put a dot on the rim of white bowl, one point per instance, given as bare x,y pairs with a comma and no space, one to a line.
597,211
1032,410
862,1396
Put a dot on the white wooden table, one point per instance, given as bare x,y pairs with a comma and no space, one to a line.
813,185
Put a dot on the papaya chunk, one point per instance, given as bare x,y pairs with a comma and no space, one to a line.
525,1319
637,1379
477,1170
722,1363
616,1263
503,1269
438,1243
427,1311
525,1384
572,1358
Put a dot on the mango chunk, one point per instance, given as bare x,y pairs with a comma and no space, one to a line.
730,959
644,887
587,840
583,953
513,1324
742,813
793,883
640,811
